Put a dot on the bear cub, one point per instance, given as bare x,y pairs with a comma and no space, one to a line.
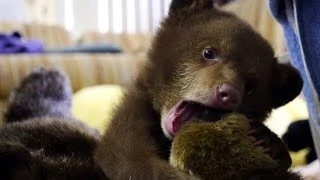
203,63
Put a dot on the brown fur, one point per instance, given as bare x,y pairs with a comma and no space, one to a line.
41,140
135,145
198,150
48,148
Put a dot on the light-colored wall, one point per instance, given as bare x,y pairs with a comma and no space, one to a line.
81,16
59,12
14,10
111,15
41,10
85,15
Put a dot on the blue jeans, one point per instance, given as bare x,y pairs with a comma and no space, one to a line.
300,20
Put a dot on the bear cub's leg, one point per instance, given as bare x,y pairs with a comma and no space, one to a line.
43,93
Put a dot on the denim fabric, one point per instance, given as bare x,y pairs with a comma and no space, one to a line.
300,20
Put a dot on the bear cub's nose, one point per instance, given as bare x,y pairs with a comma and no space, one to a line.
226,97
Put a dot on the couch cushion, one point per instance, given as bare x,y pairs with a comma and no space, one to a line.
130,43
3,105
51,35
83,69
95,105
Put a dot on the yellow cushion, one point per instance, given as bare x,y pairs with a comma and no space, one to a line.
94,105
299,158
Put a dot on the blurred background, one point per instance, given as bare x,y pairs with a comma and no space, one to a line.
83,15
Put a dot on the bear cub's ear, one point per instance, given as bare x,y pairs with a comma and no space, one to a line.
287,84
190,5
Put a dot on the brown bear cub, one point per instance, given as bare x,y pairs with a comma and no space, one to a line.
203,63
41,139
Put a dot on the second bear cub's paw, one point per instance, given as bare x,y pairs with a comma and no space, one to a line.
270,143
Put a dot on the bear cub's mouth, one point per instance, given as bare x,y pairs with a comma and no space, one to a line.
185,111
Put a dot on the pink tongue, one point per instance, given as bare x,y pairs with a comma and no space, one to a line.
178,115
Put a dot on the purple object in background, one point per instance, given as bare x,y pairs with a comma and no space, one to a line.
13,43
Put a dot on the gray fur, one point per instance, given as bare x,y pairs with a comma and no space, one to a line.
42,93
41,139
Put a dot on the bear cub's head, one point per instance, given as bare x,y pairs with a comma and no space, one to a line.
205,62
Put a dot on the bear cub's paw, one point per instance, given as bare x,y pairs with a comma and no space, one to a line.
270,143
43,93
44,83
230,148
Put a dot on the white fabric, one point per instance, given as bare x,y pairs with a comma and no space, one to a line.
14,10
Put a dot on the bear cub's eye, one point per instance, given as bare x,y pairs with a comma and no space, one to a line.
209,54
